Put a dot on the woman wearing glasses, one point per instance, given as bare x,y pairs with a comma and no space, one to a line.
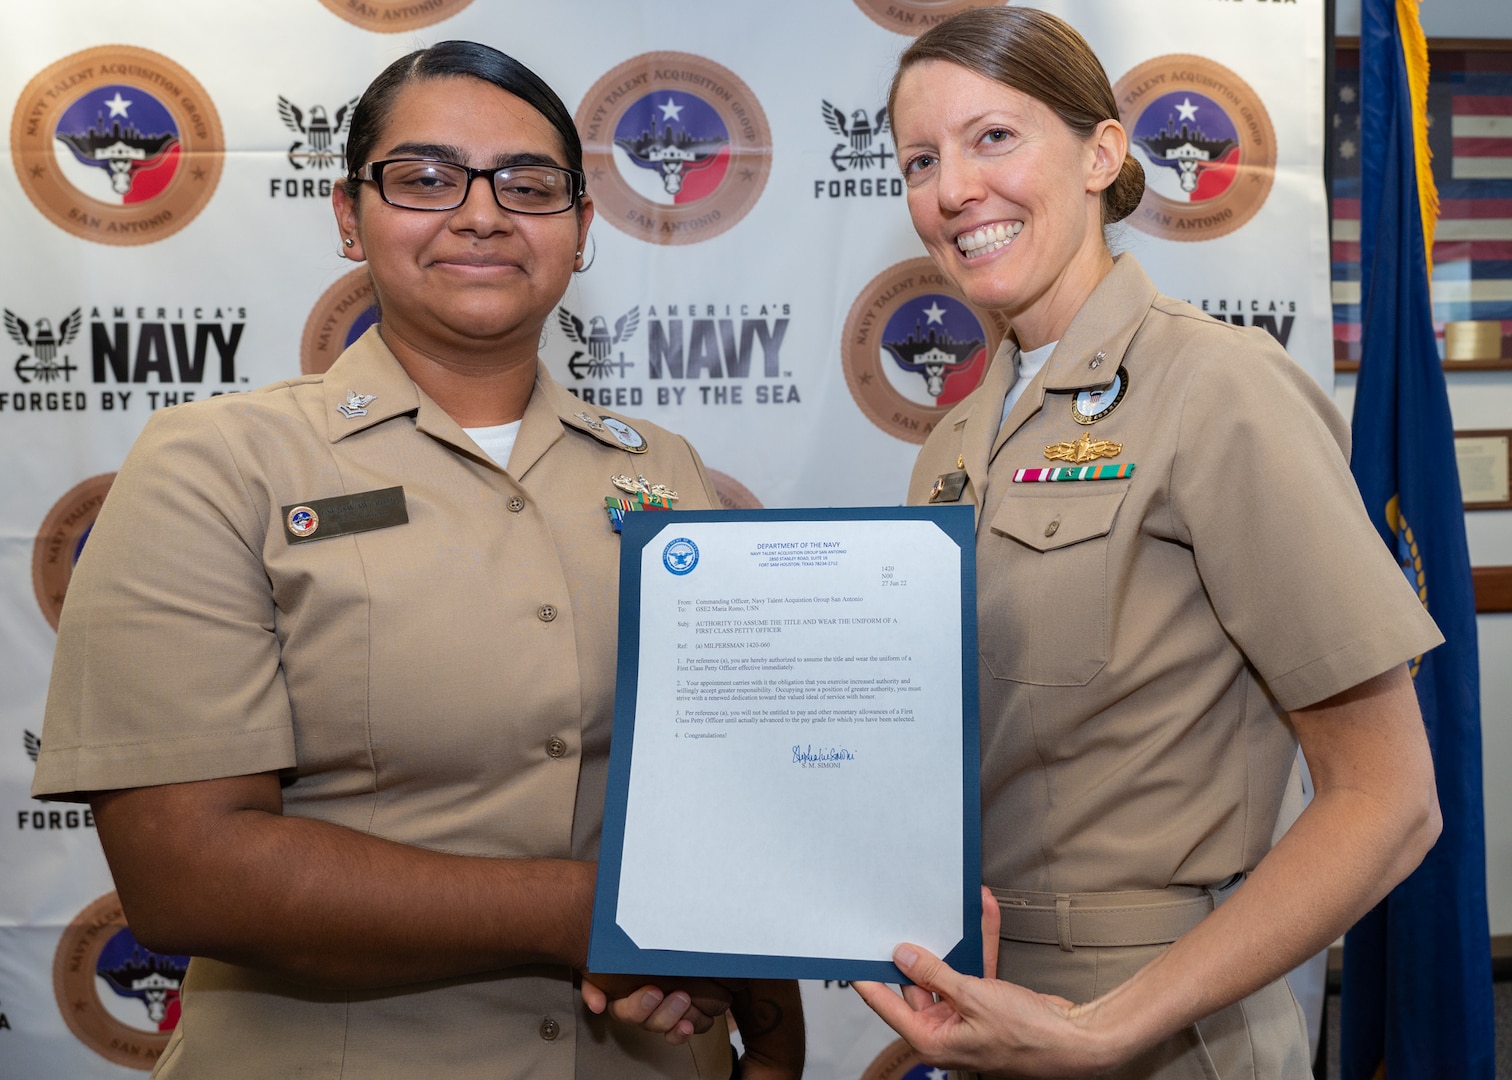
349,751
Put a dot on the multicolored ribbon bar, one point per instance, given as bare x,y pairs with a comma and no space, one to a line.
618,507
1075,472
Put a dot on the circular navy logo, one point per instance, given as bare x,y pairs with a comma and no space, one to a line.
1206,143
680,556
914,348
1090,406
117,145
628,437
118,998
339,317
303,521
677,147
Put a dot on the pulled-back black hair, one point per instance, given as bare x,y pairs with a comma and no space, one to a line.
445,60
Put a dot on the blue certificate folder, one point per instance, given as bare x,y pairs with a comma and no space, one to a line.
683,543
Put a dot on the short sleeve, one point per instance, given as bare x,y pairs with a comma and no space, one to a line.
1295,571
167,665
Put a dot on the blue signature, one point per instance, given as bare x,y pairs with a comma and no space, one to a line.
808,755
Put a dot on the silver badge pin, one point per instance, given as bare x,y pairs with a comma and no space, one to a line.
639,485
356,404
628,437
590,421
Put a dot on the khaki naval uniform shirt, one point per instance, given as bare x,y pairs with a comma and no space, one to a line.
446,683
1140,638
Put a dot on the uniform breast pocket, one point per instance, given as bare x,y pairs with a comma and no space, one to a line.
1043,586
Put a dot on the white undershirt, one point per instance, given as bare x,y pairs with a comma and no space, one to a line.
496,441
1029,364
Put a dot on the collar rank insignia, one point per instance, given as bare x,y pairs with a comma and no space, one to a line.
1083,450
356,404
593,425
1090,406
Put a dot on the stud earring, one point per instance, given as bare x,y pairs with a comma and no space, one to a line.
348,241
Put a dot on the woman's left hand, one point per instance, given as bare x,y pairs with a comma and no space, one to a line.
962,1022
1374,816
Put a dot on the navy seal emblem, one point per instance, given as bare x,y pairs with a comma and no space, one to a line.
628,437
913,348
680,556
117,145
676,147
1090,406
118,998
302,521
1206,143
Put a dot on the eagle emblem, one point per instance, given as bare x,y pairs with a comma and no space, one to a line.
44,342
859,132
598,342
356,404
320,132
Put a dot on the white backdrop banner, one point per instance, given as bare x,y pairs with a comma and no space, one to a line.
168,237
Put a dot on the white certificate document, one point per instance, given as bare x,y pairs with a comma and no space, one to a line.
793,778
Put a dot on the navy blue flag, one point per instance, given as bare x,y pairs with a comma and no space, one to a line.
1417,968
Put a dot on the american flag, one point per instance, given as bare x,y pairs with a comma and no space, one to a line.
1470,133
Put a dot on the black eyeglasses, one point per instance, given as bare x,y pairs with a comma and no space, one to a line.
427,184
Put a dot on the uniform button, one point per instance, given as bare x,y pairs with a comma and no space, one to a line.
546,612
1051,528
550,1029
556,748
516,504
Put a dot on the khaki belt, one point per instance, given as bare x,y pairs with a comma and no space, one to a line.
1072,920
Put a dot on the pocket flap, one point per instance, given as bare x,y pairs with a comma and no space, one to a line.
1045,522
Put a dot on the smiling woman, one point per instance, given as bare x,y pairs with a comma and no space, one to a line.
355,746
1047,143
466,291
1158,631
